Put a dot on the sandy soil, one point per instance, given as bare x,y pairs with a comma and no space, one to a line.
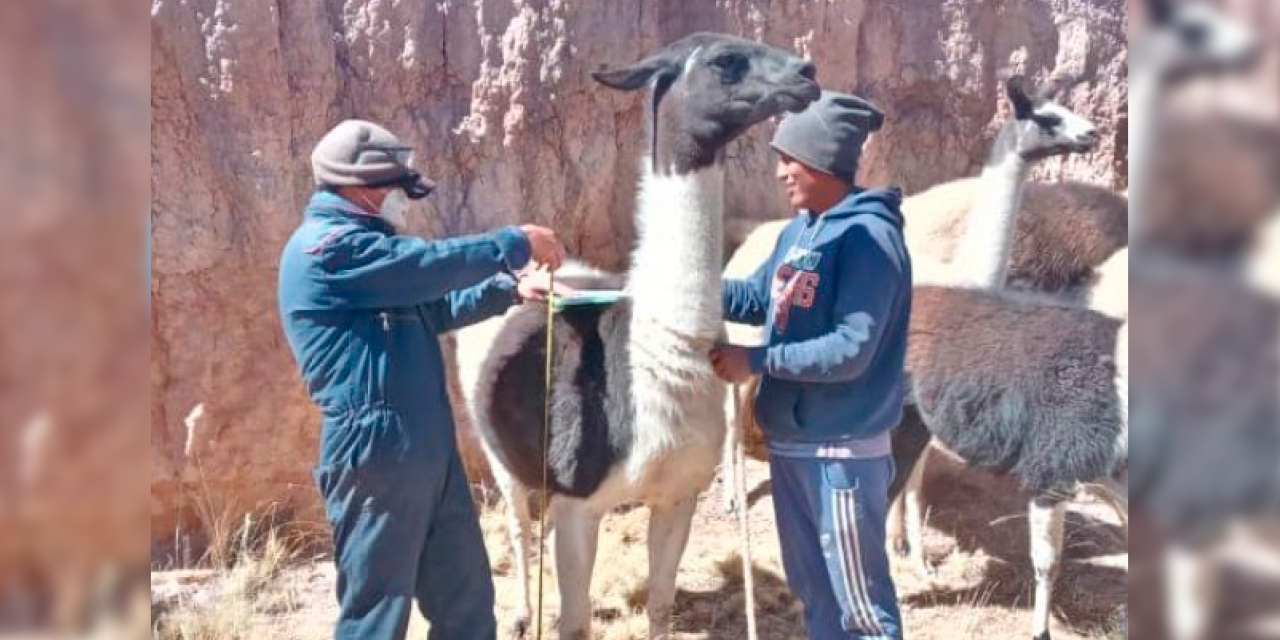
977,536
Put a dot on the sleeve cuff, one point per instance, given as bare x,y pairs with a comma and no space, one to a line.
514,247
756,357
507,283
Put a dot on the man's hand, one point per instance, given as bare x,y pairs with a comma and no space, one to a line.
730,363
544,246
534,284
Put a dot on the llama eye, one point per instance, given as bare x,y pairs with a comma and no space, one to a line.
1194,35
732,67
1047,122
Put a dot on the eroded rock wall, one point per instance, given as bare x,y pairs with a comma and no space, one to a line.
496,96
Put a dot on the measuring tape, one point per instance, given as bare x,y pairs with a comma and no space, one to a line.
546,436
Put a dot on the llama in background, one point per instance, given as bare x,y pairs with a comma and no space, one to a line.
1038,129
1063,231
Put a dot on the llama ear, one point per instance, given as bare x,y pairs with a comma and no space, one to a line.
1058,85
632,77
1159,11
875,120
1024,106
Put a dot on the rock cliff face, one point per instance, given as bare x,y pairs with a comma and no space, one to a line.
496,96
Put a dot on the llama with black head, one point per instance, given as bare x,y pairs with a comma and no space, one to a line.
1021,384
1064,230
1039,129
636,411
982,255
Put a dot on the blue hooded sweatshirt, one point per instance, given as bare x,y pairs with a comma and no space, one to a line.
835,300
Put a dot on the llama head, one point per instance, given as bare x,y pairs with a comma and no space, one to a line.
709,88
1041,127
1191,38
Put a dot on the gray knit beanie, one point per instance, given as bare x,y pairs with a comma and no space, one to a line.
361,153
829,134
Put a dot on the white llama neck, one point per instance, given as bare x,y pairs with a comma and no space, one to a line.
675,272
982,257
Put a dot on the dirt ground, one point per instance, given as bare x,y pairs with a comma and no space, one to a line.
977,535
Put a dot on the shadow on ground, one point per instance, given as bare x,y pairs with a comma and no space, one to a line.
983,519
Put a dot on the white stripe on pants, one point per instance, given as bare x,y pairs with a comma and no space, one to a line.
844,521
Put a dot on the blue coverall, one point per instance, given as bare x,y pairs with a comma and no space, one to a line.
362,308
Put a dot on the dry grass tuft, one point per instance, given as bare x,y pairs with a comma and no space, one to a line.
242,595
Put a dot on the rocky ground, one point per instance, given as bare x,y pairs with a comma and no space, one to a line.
977,535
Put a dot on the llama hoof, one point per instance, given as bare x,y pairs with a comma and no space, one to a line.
660,634
660,623
900,547
1043,636
730,506
927,570
728,499
930,572
521,629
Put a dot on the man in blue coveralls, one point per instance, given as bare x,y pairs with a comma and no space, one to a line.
361,308
835,300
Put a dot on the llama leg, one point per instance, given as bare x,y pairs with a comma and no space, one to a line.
518,533
668,535
577,531
896,532
519,530
911,513
1190,593
1045,520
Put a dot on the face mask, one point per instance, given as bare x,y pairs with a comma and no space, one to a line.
394,208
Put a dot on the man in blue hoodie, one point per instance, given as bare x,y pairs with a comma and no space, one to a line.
835,299
361,308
